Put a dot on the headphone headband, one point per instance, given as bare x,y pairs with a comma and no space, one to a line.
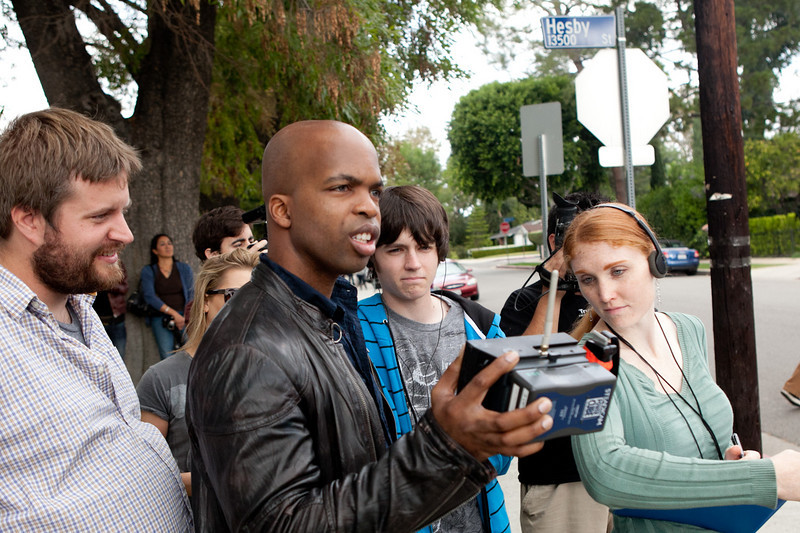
658,265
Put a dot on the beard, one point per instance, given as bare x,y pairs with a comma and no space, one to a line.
69,270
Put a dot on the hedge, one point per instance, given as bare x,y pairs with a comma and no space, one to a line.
536,239
774,236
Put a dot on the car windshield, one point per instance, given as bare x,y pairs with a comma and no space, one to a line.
671,244
452,268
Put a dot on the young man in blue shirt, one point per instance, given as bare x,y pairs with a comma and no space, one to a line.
413,335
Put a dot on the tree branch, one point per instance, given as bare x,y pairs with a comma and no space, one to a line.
111,26
62,63
133,5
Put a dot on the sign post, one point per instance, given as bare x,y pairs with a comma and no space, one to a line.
623,98
542,146
543,181
505,227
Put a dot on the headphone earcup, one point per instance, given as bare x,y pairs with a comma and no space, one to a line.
658,265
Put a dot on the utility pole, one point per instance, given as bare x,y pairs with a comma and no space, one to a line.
728,230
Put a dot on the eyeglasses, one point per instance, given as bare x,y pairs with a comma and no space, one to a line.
227,293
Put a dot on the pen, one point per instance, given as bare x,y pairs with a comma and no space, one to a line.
736,442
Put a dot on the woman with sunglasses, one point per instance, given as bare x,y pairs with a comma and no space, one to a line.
162,390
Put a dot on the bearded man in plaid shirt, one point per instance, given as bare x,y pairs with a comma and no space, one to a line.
74,454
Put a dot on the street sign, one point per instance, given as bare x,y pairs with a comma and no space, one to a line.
579,32
599,108
505,227
536,120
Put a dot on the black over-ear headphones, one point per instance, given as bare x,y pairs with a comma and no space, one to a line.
658,265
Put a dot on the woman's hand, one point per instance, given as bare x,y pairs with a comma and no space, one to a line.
787,474
180,321
734,453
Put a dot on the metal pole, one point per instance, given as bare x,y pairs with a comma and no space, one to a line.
623,95
543,190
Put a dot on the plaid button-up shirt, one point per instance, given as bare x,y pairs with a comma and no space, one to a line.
74,454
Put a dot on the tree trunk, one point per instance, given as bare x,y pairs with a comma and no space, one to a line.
167,127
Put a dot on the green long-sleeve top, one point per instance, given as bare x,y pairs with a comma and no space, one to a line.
646,458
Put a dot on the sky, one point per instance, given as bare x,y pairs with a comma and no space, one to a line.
430,105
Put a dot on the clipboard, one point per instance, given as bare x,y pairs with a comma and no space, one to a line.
725,519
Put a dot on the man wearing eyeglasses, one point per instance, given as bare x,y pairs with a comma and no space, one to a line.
222,230
287,422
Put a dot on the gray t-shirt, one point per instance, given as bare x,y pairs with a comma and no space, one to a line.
74,329
162,391
423,352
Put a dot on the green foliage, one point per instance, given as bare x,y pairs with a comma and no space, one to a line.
536,239
645,28
281,61
767,37
497,211
772,169
677,211
316,60
658,172
412,160
774,236
485,140
477,228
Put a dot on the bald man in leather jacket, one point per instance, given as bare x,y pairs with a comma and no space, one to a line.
287,423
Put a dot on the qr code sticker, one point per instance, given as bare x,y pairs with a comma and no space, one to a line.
594,407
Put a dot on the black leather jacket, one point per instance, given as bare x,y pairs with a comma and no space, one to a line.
285,436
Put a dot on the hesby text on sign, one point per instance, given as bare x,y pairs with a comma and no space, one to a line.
579,32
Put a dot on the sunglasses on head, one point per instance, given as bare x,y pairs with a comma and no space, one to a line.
227,293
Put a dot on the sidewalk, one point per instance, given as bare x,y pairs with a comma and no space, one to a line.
786,520
785,268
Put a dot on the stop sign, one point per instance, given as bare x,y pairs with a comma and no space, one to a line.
505,227
599,109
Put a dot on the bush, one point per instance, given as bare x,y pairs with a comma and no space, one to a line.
677,211
458,251
477,253
774,235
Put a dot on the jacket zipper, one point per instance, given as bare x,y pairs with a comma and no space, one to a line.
358,384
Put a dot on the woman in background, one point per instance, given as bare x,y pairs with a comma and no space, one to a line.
167,284
665,441
162,389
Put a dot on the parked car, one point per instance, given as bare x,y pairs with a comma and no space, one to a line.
680,258
453,276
